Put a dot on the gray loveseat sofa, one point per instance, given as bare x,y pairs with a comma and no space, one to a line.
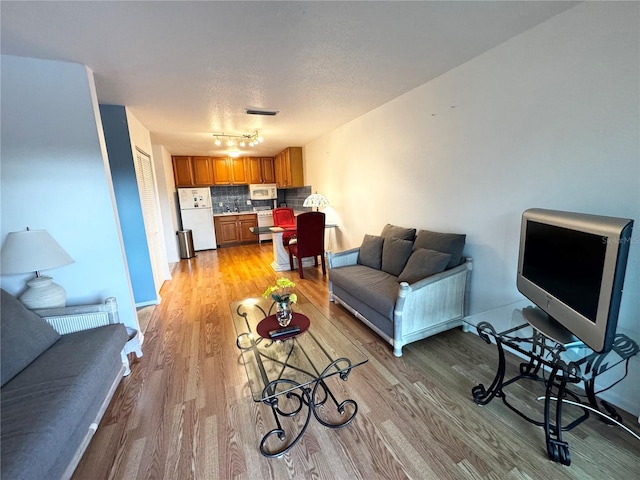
405,286
55,388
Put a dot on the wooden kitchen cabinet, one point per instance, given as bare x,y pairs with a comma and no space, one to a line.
192,171
221,172
244,223
288,168
202,170
234,229
182,171
226,229
267,167
238,171
260,170
229,171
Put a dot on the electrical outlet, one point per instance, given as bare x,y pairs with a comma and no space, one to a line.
220,204
248,202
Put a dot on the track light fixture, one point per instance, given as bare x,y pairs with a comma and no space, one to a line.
237,140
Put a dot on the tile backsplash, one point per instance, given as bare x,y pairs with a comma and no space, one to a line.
295,197
236,196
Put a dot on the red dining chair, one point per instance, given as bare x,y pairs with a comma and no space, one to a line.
284,217
309,240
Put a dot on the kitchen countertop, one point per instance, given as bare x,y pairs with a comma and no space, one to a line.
249,212
233,213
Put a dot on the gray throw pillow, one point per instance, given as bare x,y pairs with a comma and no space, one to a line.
451,243
370,254
422,264
398,232
23,336
395,253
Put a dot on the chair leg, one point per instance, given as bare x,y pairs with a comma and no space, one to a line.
300,267
315,259
290,260
324,268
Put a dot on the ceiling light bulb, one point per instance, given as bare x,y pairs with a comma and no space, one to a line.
243,143
260,139
217,142
229,143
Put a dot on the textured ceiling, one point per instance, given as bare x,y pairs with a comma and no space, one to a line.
189,69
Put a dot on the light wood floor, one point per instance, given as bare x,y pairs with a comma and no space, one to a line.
185,412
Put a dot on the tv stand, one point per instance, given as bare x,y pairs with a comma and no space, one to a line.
558,365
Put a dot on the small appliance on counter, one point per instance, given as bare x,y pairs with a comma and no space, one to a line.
263,191
197,215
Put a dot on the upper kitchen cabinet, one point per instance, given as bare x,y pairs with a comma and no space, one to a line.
288,168
192,171
260,170
268,169
238,171
202,171
182,171
229,171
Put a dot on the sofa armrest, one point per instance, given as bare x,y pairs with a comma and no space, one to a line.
343,259
81,317
438,299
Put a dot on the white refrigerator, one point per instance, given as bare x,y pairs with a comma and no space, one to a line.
197,215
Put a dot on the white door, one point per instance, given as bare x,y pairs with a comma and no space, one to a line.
146,188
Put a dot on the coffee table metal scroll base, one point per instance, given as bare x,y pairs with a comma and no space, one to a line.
300,358
312,399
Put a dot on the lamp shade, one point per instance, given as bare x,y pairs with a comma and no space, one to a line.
32,251
316,200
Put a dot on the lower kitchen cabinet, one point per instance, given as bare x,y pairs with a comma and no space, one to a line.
234,229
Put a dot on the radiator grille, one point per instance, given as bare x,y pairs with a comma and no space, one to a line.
78,322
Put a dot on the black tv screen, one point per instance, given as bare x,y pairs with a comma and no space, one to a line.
566,263
572,267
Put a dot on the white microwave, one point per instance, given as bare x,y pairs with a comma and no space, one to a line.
263,191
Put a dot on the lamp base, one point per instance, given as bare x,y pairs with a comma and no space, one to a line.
43,293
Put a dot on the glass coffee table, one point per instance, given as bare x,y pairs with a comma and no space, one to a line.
291,374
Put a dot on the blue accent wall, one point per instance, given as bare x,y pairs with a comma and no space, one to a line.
125,186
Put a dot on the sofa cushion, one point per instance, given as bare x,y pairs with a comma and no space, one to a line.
393,231
381,322
41,407
376,288
23,336
370,253
451,243
395,253
423,263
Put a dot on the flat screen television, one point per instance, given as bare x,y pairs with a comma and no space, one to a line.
572,266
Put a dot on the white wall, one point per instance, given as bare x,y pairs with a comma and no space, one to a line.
168,200
548,119
55,176
141,139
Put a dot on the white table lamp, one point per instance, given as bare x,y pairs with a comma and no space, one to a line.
316,200
32,251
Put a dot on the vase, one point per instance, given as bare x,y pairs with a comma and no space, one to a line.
284,313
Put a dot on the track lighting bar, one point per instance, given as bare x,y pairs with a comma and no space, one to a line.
231,140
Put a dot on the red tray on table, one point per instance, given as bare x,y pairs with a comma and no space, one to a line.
270,323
